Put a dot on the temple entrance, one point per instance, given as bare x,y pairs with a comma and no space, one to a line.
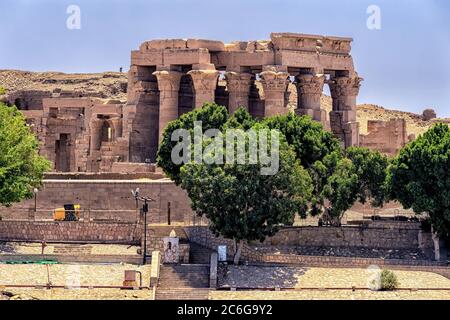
62,151
106,132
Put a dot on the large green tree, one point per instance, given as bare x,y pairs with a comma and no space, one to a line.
307,137
340,177
241,203
356,174
419,177
21,168
211,115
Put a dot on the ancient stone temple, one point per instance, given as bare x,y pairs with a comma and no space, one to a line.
87,133
170,77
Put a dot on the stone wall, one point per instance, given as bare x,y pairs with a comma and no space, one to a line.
106,199
391,237
69,231
385,136
373,237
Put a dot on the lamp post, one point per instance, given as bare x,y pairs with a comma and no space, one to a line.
35,192
145,210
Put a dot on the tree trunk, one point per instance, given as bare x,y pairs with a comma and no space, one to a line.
437,248
238,252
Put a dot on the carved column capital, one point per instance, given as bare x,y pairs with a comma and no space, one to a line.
238,85
309,91
204,83
168,80
345,86
274,81
238,82
310,84
274,86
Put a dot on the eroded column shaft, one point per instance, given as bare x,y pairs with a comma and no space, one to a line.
344,91
169,87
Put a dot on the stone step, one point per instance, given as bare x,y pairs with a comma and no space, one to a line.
184,276
182,294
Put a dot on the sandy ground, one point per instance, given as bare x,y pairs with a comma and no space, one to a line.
330,295
346,278
71,275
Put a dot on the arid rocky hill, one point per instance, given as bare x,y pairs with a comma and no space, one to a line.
107,85
113,85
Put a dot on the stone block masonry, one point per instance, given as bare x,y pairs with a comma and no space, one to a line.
69,231
106,200
372,237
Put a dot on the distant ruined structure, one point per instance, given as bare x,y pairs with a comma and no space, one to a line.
167,78
388,137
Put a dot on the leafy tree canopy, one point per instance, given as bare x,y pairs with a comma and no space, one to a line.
21,168
240,202
211,115
419,177
309,140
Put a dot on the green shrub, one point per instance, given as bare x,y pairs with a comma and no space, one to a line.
2,91
389,281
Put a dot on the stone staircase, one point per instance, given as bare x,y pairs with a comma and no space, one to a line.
183,282
199,254
182,294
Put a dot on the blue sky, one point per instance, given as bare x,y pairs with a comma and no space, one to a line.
406,64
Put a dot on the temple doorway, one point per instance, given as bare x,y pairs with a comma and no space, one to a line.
62,151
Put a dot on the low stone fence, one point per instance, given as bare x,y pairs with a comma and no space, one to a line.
320,261
390,238
104,232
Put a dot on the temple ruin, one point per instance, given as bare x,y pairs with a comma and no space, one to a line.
167,78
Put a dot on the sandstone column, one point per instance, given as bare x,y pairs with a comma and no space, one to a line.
274,86
205,83
309,91
344,91
169,86
238,85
